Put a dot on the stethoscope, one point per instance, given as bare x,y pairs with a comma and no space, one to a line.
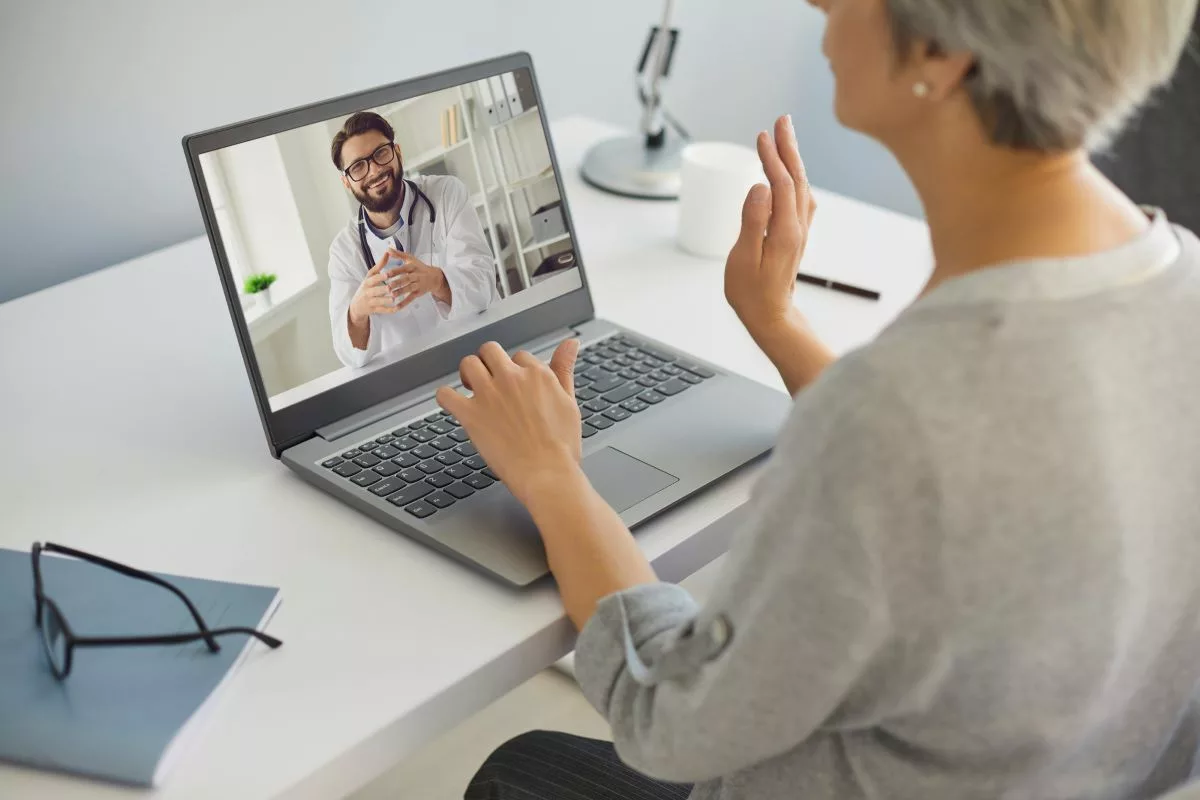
362,223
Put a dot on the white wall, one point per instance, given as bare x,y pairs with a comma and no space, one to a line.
261,195
96,95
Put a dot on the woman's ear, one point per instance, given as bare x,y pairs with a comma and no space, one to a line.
941,73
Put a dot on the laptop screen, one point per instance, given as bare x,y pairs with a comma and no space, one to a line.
367,238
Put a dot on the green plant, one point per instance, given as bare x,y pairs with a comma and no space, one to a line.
257,283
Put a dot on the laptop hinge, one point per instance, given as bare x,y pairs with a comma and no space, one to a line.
423,394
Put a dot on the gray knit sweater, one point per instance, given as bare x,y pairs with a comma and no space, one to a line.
973,569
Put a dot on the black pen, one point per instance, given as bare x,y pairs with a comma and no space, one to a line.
836,286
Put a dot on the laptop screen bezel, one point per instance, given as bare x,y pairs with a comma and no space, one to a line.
286,427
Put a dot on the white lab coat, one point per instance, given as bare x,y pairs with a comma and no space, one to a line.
455,244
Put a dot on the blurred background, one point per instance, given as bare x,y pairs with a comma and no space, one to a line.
97,96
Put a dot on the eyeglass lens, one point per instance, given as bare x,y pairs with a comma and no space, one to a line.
382,156
54,638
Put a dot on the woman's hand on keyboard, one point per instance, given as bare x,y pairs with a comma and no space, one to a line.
521,416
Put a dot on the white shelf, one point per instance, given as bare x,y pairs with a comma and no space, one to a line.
479,198
430,156
530,180
527,112
531,246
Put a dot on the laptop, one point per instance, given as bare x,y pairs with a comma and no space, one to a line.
299,205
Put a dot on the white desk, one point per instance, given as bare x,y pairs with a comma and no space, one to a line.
149,450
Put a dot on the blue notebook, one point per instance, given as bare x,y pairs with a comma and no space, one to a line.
122,712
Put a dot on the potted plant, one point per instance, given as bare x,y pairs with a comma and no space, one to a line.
259,286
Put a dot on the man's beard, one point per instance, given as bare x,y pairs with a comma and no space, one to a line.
379,204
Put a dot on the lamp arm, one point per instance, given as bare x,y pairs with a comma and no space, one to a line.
658,63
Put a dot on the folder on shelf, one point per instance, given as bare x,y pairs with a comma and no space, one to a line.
510,90
523,78
498,96
444,118
487,105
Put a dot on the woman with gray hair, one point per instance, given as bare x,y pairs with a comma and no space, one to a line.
970,569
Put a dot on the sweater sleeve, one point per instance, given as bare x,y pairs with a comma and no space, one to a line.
800,612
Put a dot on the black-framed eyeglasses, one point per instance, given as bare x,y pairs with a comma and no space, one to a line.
382,156
60,641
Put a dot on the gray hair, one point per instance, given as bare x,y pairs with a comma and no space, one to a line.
1053,75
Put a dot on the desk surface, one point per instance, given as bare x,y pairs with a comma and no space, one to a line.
148,449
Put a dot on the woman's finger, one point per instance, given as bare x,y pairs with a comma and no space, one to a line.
789,154
474,374
783,188
756,213
562,364
453,402
494,358
526,359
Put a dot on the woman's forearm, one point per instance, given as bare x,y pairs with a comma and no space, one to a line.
591,552
794,350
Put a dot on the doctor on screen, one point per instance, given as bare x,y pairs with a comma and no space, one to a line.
413,257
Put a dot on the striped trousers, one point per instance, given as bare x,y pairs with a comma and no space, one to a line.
541,765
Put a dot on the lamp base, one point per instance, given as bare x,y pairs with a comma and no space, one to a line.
627,167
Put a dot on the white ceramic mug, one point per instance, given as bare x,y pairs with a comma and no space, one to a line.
716,176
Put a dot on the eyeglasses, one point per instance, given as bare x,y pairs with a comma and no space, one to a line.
382,156
60,641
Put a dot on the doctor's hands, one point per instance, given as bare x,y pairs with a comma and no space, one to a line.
760,274
417,278
374,296
522,416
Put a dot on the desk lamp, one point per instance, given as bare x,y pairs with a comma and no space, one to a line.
644,166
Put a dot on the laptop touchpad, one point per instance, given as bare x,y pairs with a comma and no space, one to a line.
622,480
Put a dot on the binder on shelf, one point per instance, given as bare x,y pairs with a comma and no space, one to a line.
511,94
498,96
450,127
523,78
487,103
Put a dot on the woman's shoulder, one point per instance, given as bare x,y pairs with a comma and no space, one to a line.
891,369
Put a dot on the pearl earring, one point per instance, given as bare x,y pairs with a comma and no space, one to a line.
921,89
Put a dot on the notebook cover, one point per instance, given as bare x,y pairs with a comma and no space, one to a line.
120,708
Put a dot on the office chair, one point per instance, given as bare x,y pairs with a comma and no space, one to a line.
1157,161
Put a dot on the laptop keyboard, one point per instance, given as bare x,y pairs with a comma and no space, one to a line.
430,464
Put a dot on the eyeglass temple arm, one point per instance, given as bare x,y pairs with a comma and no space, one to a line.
204,634
174,638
